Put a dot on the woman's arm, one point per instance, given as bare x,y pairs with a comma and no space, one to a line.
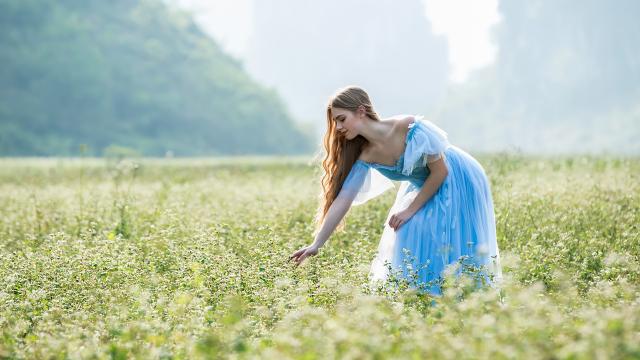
438,172
336,212
360,185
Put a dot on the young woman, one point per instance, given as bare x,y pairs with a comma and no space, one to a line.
443,212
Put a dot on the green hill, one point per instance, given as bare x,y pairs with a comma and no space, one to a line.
135,74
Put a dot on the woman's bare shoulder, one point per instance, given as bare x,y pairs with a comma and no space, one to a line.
401,123
402,119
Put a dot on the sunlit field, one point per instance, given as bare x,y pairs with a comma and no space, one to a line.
188,258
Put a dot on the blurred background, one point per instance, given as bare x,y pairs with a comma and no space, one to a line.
231,77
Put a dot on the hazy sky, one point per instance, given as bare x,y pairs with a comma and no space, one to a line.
467,32
228,21
465,23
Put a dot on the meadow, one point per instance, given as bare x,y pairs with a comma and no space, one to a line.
188,258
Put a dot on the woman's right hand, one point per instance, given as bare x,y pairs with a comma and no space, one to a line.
303,253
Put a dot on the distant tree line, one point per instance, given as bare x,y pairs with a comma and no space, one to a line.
128,74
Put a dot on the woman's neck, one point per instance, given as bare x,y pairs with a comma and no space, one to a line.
376,132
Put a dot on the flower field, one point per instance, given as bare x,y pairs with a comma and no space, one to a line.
188,259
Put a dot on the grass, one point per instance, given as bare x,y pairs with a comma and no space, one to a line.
187,258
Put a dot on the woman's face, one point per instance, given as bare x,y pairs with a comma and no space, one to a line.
346,122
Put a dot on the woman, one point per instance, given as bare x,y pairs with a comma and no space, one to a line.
443,212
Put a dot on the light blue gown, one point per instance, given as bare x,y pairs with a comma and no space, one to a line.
456,225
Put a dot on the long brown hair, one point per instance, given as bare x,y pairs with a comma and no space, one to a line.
340,153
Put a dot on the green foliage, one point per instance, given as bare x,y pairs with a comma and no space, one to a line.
168,258
133,74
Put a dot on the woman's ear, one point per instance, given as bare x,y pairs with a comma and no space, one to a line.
361,110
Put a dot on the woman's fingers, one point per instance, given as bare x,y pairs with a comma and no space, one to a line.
297,254
301,258
395,222
392,221
302,254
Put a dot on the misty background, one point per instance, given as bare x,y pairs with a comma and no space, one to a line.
214,77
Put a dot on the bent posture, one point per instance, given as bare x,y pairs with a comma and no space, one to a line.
443,212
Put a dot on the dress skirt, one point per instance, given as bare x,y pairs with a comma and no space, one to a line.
456,226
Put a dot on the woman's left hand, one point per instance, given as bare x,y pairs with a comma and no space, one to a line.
396,220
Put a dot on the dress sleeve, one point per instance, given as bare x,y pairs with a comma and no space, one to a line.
363,184
426,143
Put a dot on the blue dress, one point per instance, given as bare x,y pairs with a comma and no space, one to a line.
455,226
